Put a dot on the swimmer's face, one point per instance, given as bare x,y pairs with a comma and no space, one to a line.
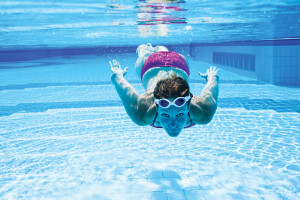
173,119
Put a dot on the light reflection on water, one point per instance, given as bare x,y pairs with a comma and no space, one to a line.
126,22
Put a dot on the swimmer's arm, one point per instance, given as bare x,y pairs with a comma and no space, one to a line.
203,107
140,108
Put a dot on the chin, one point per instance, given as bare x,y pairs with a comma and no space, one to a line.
175,134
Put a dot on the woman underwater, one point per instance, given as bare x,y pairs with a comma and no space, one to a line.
167,102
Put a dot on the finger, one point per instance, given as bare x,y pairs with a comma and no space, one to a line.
207,71
214,68
111,66
125,70
201,74
114,63
118,64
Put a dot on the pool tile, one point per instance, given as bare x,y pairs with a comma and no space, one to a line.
120,196
139,185
221,194
248,193
171,184
157,184
194,195
139,196
139,172
170,174
176,195
155,174
158,196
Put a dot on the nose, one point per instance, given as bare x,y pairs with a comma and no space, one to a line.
172,123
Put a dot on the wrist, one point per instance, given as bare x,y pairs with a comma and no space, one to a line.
115,77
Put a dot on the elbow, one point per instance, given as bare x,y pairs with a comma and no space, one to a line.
139,119
140,123
209,114
207,119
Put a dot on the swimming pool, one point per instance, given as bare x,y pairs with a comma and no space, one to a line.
65,134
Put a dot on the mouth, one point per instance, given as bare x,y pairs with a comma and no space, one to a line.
174,133
174,130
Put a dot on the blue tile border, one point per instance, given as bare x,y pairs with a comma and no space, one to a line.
31,54
27,53
274,42
37,52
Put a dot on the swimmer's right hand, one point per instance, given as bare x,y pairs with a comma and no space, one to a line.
116,69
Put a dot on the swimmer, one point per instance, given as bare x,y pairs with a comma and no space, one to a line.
168,102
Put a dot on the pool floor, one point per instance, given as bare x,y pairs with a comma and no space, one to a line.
64,134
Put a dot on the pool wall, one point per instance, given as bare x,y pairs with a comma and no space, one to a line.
276,62
272,61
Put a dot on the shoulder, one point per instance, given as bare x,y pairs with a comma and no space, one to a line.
146,99
146,109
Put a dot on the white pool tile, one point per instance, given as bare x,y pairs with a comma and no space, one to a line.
158,196
194,195
157,184
176,195
139,185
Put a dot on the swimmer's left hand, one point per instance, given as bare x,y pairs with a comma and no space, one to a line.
116,68
209,73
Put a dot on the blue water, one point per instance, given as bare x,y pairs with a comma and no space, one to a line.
51,23
64,133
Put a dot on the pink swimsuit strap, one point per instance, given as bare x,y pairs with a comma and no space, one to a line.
165,59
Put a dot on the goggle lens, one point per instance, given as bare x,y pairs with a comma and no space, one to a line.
164,103
180,102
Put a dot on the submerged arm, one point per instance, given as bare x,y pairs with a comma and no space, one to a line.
139,108
203,107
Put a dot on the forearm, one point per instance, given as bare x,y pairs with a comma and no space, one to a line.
204,106
127,93
211,89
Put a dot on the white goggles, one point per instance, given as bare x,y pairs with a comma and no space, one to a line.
178,102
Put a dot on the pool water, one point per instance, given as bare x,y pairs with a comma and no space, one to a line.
64,134
57,24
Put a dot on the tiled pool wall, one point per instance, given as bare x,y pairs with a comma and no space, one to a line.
272,61
275,62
